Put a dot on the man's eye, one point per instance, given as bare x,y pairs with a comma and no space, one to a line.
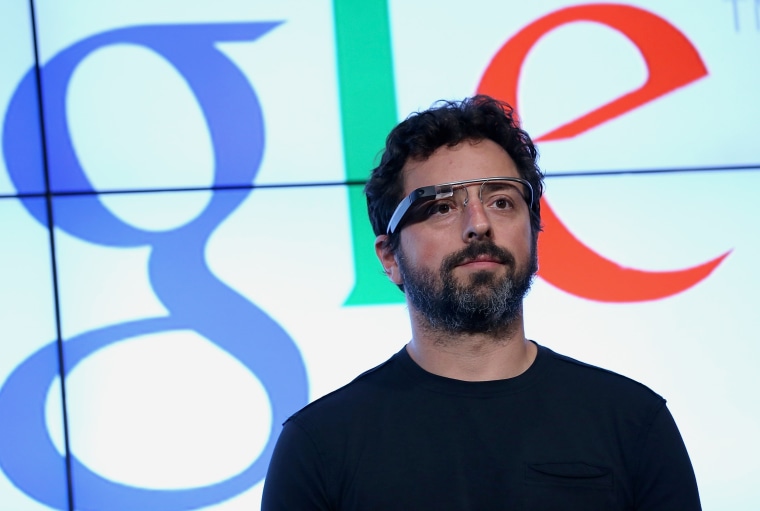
439,208
502,203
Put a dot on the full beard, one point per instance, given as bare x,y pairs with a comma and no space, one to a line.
487,303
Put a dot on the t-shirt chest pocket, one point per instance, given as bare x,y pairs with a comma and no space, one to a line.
568,486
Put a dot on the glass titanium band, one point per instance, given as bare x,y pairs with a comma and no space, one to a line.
440,191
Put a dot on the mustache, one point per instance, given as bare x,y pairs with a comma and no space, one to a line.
475,249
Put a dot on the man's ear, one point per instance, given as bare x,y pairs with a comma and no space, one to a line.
388,259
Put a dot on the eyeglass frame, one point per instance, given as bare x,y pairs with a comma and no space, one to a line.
444,190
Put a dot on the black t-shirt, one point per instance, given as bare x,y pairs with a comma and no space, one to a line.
563,435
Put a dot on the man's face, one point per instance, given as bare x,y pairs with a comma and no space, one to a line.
465,271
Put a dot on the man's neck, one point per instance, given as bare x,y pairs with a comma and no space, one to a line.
472,356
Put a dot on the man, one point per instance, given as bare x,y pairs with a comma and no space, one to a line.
471,415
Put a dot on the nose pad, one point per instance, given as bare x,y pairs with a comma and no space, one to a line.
466,200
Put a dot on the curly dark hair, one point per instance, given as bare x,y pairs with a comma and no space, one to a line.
447,123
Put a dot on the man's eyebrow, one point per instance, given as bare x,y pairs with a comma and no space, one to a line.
511,184
500,185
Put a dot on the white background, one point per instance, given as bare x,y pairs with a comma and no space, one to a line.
289,250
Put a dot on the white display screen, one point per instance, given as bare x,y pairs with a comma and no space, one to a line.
185,255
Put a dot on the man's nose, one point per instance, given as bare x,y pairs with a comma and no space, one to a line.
477,224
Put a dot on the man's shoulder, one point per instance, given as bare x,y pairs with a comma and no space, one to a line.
576,373
367,387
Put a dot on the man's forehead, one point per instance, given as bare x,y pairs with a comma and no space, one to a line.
463,161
